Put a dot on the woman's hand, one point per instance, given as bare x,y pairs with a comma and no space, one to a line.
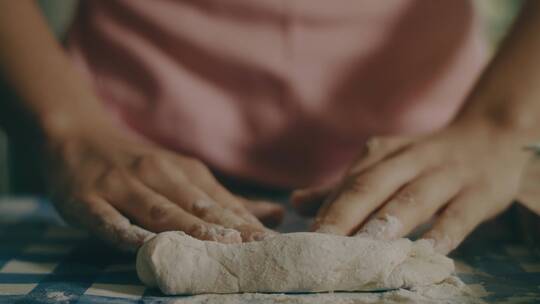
123,190
461,176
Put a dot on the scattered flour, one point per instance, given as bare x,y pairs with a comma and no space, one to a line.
521,299
58,296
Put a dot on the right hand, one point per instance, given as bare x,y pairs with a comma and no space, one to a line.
124,190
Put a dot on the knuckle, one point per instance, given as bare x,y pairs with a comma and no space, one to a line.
158,212
149,163
111,179
407,197
197,166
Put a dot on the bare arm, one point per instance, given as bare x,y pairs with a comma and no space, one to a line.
119,188
508,94
36,67
460,176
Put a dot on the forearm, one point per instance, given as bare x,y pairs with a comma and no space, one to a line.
36,67
507,96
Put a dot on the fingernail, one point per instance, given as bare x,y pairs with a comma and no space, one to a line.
387,227
443,245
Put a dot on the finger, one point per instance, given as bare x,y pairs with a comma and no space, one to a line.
270,214
101,219
156,213
361,194
413,205
203,179
308,201
170,182
459,219
231,202
207,183
254,230
376,150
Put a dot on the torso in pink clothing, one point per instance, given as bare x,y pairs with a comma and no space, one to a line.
283,92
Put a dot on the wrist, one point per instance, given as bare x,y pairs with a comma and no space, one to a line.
60,124
502,117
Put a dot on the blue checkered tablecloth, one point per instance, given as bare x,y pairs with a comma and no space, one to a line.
44,261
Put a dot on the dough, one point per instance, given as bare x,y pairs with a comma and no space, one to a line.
295,262
450,291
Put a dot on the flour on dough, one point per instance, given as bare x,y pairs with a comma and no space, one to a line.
450,291
295,262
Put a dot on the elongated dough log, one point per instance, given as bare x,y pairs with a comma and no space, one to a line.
296,262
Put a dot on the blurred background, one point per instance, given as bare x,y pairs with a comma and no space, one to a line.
18,152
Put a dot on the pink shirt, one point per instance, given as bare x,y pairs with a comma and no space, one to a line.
283,92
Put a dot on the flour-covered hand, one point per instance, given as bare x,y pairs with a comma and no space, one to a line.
124,190
460,176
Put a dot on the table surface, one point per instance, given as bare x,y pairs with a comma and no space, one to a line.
44,261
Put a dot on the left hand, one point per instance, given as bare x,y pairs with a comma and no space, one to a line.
461,175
